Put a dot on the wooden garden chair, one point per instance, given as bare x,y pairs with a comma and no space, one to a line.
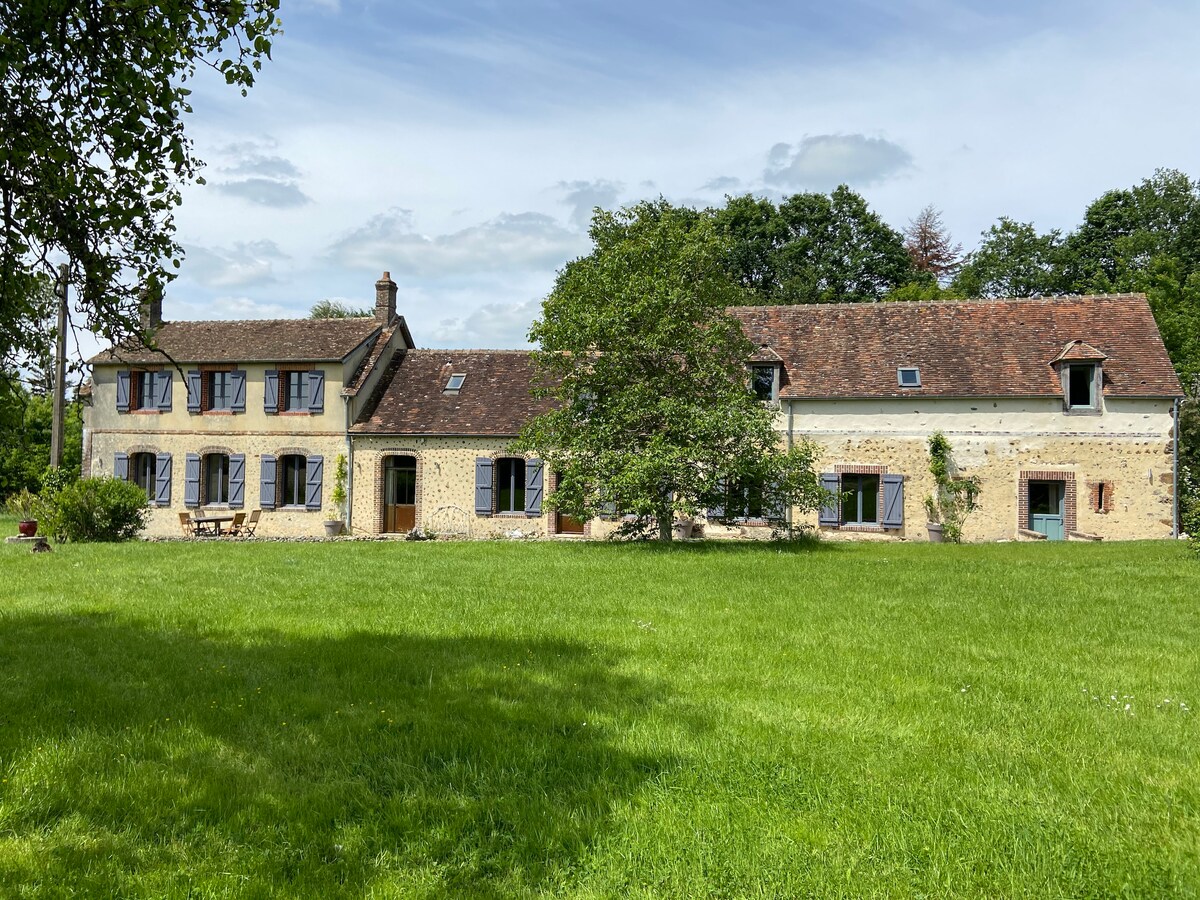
189,528
235,527
247,528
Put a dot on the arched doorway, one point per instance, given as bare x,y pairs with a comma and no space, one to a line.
399,494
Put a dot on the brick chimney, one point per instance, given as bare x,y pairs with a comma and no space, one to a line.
385,299
149,310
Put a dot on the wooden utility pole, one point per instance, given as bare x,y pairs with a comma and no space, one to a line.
60,371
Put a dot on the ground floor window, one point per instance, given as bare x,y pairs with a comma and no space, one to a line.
510,485
293,470
143,470
216,479
860,499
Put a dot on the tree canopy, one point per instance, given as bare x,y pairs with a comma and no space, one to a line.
93,151
336,309
649,371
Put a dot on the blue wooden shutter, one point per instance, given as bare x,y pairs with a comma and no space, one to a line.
534,472
717,510
121,466
833,484
893,501
123,391
193,390
271,396
266,482
483,486
162,480
237,379
237,480
191,480
162,390
312,486
316,391
772,504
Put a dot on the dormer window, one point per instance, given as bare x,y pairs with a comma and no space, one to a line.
908,377
763,382
454,385
1081,384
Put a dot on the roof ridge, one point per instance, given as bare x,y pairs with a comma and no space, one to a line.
964,301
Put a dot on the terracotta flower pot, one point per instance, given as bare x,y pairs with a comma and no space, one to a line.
935,532
27,527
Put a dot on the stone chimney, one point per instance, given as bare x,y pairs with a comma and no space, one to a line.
149,310
385,299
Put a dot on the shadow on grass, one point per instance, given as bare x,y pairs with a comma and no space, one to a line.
153,761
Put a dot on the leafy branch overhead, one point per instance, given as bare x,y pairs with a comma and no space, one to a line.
94,153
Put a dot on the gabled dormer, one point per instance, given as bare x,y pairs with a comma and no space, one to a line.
766,371
1080,368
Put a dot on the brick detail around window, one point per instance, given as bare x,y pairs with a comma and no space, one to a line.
205,401
854,469
1070,500
1100,496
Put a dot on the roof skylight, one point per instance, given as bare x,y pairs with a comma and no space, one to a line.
456,381
908,376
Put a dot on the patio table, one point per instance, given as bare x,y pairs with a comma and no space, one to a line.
203,523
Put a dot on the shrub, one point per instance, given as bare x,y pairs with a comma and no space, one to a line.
96,509
954,496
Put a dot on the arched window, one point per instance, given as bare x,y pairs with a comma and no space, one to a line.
292,474
143,469
216,478
510,485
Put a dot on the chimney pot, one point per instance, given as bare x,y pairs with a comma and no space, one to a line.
149,310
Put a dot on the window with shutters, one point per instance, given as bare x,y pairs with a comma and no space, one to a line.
860,499
143,471
141,390
292,394
510,485
291,477
744,501
216,479
219,386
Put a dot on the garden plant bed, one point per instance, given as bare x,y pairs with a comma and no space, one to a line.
501,719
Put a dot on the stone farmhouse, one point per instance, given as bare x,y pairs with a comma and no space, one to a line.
1064,408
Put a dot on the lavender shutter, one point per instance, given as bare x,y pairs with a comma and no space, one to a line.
893,501
162,480
483,486
271,396
123,391
312,484
266,482
121,466
829,513
191,480
193,390
162,390
237,379
534,476
772,504
316,391
237,480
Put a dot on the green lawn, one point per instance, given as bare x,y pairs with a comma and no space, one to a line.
592,720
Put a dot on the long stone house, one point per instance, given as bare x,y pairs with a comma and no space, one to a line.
1065,409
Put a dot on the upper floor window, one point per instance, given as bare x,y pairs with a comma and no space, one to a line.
144,389
294,391
141,390
220,390
1081,386
762,381
294,396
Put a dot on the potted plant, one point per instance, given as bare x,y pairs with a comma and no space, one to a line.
954,496
24,505
335,523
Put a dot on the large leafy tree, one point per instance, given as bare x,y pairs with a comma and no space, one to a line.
1012,260
649,373
812,248
92,145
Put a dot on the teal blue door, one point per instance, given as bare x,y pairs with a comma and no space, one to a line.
1046,508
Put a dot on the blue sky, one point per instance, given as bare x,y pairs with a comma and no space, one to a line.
461,145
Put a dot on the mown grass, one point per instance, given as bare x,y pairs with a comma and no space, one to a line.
590,720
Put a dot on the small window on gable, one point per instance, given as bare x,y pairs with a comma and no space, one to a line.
454,385
908,377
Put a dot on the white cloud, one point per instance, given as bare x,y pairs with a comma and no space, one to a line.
584,196
492,325
507,243
242,265
823,161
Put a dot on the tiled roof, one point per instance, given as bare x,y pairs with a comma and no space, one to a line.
1079,350
371,360
977,348
252,340
494,398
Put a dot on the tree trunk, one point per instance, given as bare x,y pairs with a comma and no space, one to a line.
665,522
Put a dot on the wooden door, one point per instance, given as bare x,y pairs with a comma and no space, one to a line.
568,525
399,494
1046,508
